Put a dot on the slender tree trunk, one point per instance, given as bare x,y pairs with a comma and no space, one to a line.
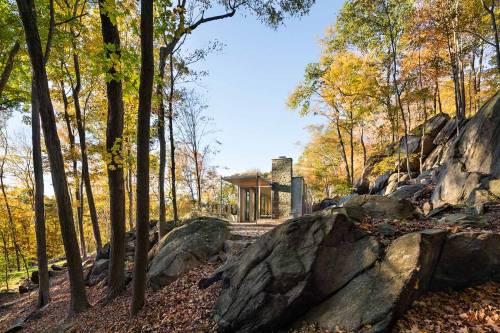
114,146
78,300
342,146
162,140
130,193
422,140
9,65
144,113
6,259
41,247
362,139
170,116
83,150
78,197
9,213
351,144
491,11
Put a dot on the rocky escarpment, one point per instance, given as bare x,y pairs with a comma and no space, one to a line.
457,169
327,270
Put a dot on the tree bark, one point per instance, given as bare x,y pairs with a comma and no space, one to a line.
78,197
9,65
170,116
83,149
7,207
342,146
130,192
162,140
114,145
491,11
143,128
41,247
78,300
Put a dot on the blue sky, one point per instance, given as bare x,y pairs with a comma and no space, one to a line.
250,80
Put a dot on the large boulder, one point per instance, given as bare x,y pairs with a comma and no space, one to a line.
363,183
299,263
467,258
406,191
378,206
380,182
373,300
186,247
417,145
472,158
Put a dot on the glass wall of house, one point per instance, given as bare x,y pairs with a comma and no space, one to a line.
254,196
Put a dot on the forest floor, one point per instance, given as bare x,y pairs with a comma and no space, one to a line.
183,307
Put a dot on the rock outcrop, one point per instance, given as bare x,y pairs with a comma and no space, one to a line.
185,247
473,158
298,263
324,269
378,206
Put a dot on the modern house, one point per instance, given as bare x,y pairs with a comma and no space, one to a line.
281,197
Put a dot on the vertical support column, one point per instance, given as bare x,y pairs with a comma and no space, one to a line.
257,197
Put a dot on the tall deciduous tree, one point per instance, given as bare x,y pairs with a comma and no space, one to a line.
143,129
114,144
78,300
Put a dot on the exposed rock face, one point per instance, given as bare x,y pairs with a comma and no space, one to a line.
471,158
299,263
467,258
374,299
379,206
406,191
323,269
185,247
363,184
380,182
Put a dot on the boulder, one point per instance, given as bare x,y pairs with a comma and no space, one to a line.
472,158
363,183
325,203
343,200
380,182
406,191
467,258
185,247
463,219
378,206
373,300
299,263
98,272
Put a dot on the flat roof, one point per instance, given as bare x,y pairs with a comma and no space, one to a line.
247,180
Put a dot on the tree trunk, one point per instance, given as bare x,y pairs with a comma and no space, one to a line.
491,11
83,150
7,207
114,145
78,300
351,144
9,65
78,197
362,139
6,259
342,146
162,140
130,193
41,247
170,116
422,140
142,212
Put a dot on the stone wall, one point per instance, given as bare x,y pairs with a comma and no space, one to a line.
282,187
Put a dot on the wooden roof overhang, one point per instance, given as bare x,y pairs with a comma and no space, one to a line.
248,180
